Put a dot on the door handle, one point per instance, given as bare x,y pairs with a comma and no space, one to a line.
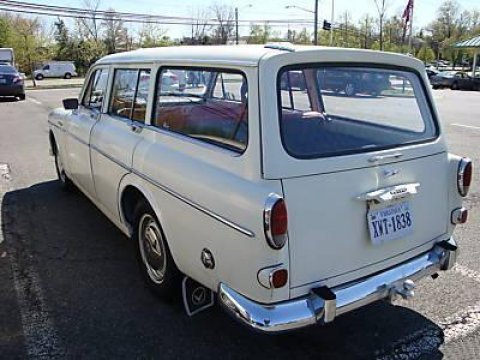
385,157
59,123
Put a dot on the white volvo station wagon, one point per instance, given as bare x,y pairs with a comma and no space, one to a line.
295,183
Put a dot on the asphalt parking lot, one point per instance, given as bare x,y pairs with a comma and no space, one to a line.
70,287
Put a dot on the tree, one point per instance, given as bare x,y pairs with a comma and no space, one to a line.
152,35
5,32
89,27
224,16
426,54
115,34
260,34
382,9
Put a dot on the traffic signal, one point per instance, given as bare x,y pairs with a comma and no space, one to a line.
326,25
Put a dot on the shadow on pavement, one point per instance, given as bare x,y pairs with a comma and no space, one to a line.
101,308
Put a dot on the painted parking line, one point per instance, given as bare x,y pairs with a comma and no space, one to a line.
428,339
467,126
35,101
41,338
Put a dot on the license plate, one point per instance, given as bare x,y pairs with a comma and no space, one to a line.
390,223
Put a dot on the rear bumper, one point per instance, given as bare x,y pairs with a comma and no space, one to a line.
322,305
12,90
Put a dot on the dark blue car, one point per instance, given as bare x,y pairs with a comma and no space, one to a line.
11,82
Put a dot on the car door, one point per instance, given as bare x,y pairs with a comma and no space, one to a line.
80,126
116,135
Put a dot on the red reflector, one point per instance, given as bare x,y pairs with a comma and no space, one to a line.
279,222
464,217
279,278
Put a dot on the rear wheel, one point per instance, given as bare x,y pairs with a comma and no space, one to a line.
68,76
454,86
155,260
21,97
39,77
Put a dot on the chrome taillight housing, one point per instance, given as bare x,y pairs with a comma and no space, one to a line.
275,221
464,176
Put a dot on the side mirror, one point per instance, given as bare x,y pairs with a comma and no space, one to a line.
70,104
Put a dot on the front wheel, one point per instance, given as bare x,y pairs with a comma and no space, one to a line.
155,260
454,86
68,76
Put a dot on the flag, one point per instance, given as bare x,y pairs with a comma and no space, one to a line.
407,12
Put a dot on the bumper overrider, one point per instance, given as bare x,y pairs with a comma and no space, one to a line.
323,304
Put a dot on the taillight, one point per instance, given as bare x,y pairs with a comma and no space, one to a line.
17,80
464,176
275,220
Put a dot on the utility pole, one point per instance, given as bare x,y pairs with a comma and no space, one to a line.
331,22
315,27
236,25
411,30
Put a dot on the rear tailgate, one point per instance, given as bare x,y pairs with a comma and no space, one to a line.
329,231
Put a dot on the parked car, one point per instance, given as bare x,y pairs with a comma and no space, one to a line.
11,82
353,81
455,80
56,69
431,72
293,79
294,207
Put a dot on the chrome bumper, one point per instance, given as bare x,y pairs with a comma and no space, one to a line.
322,305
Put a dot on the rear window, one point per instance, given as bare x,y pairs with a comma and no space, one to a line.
327,111
6,69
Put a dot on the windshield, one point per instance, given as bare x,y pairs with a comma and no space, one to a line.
328,111
6,69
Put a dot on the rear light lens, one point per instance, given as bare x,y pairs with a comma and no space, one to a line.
464,176
275,220
279,278
17,80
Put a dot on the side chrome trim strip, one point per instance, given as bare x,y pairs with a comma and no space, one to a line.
193,204
166,189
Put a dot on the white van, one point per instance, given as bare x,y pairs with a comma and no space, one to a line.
56,69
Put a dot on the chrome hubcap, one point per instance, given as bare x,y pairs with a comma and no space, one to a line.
152,248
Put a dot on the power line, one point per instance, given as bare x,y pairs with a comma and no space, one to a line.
72,12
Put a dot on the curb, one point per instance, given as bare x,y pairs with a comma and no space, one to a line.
50,87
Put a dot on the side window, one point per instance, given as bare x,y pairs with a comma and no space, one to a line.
93,97
211,106
46,67
130,94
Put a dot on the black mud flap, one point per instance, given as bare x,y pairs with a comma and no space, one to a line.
196,297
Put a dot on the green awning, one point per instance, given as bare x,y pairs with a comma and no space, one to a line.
470,43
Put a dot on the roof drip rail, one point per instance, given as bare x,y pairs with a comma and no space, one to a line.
285,46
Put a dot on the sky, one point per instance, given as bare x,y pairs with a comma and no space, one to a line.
424,10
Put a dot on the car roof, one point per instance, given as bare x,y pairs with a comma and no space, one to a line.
243,55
